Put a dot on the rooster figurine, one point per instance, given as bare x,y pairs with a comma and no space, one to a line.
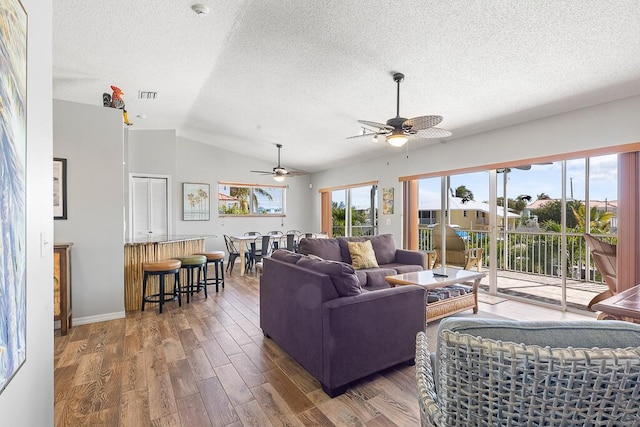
115,101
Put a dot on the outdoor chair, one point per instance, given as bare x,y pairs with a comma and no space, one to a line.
456,253
490,372
604,257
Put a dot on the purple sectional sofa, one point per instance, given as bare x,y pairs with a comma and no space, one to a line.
390,260
318,313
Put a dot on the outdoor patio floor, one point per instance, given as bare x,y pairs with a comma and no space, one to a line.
544,289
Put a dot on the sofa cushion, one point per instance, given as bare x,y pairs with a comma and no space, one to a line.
328,249
362,277
376,277
342,275
383,245
402,268
385,248
286,256
362,255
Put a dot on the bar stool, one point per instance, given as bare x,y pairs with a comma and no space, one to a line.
161,268
191,263
217,258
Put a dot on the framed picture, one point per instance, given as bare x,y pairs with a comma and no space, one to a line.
59,188
13,227
387,201
195,202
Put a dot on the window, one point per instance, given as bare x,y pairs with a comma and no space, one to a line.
250,200
350,210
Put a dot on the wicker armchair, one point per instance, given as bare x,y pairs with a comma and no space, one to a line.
561,374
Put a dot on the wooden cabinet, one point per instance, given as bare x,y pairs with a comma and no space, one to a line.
62,285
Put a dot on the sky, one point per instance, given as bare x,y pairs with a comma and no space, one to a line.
603,175
541,178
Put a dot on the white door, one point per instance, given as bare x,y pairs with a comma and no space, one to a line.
149,206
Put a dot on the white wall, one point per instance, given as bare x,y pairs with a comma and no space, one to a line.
91,139
191,161
604,125
28,398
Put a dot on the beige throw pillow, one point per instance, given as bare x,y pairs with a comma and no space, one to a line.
362,255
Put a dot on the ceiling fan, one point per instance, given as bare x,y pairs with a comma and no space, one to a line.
398,129
280,172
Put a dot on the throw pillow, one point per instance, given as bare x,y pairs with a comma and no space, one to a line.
362,255
342,275
384,247
324,248
286,256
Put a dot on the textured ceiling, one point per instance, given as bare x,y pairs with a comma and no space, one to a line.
253,73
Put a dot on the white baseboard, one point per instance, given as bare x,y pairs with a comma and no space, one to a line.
77,321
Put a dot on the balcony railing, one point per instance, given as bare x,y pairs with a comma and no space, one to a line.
356,230
534,253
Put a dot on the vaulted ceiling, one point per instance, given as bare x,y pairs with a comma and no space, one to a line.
253,73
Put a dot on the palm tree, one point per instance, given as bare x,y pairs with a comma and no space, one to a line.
243,193
202,198
600,222
544,196
464,193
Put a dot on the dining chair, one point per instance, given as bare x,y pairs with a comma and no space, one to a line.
275,241
260,248
234,253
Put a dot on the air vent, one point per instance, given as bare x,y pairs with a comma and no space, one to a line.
145,94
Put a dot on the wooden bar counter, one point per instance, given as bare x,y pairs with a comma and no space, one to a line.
154,248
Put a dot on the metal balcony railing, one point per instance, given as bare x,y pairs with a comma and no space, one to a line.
535,253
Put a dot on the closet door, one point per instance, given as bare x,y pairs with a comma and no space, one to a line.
150,207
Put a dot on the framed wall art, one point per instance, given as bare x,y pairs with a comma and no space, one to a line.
59,188
13,148
387,201
195,202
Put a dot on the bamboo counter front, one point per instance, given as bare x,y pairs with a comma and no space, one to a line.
155,248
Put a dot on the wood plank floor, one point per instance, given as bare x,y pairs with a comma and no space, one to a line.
208,364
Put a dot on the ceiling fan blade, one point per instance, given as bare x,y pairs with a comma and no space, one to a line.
422,122
431,133
366,134
380,126
263,172
296,173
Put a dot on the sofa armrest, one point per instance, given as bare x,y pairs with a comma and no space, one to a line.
404,256
576,333
365,333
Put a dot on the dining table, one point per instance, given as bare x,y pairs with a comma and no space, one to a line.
244,239
242,246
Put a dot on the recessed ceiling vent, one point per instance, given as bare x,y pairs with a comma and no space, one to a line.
145,94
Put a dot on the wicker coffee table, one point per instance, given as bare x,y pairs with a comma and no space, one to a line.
438,278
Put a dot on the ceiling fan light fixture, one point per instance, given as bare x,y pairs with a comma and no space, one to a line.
278,178
397,139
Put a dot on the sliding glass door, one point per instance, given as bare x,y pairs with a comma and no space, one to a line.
354,211
530,222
